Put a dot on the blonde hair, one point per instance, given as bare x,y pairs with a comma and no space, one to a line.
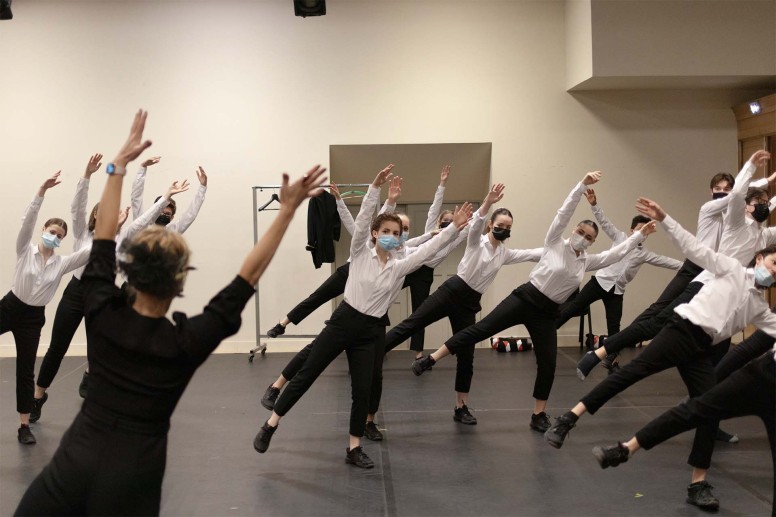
156,262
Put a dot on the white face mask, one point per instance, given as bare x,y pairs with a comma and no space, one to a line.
579,243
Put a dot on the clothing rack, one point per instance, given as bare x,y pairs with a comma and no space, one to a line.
262,347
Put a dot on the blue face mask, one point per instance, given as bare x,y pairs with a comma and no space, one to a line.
404,237
50,241
388,242
762,276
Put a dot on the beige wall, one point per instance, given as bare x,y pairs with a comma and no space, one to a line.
247,90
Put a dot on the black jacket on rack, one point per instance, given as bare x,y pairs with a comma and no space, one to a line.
323,228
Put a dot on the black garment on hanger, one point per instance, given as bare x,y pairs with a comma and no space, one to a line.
323,228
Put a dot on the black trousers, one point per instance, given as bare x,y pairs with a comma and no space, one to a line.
750,390
747,350
419,282
460,304
328,290
359,336
70,312
25,323
592,292
526,305
684,346
650,322
102,467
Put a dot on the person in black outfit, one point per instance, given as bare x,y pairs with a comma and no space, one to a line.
112,458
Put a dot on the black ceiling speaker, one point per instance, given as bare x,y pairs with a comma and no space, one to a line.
305,8
5,10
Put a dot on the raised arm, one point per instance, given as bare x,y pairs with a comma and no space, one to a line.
714,262
656,260
182,224
138,185
394,193
617,253
736,214
346,218
529,255
361,233
78,206
436,206
607,226
291,196
30,216
562,218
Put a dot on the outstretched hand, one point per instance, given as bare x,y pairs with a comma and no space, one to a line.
335,191
462,215
650,209
759,158
151,161
134,144
93,165
176,188
495,194
590,195
649,228
202,176
292,194
53,181
394,189
383,176
592,178
444,175
123,215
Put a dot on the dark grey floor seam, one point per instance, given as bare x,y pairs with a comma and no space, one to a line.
389,495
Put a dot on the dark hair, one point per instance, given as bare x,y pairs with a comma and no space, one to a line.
441,215
378,221
590,223
639,219
171,205
58,222
722,176
770,250
155,262
754,193
93,218
500,211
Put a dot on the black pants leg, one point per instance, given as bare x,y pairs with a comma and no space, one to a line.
747,391
419,283
70,312
647,328
25,323
460,319
328,290
296,362
613,307
747,350
577,306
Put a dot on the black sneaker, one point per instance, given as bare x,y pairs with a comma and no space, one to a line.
699,494
540,422
261,442
611,456
610,363
421,365
83,388
25,435
586,365
270,396
556,434
37,404
722,436
371,432
277,330
417,358
358,457
462,415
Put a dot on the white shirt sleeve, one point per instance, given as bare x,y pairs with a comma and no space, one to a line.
614,254
654,259
145,219
182,224
609,229
78,209
736,214
476,225
435,209
76,260
345,216
716,263
420,239
29,219
766,321
358,243
562,218
138,184
517,256
425,251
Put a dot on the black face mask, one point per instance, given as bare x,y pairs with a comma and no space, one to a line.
500,234
444,224
163,219
761,212
719,195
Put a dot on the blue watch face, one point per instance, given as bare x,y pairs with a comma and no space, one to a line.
110,169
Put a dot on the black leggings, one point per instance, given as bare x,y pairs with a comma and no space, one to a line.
682,345
526,305
70,312
328,290
750,390
592,292
103,466
25,323
359,336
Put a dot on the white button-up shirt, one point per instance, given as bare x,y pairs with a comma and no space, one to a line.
35,280
619,274
481,261
560,271
372,286
727,303
181,222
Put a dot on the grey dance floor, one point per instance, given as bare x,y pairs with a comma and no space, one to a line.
428,465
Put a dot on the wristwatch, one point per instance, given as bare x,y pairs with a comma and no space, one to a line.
118,170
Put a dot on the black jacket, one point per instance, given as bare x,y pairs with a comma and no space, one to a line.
323,228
